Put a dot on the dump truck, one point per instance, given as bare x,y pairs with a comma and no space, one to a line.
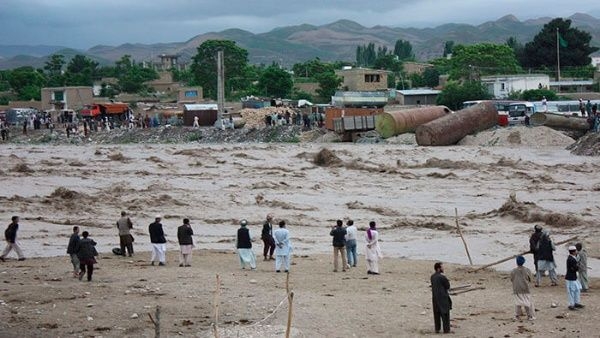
101,110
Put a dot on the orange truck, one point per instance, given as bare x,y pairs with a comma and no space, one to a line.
101,110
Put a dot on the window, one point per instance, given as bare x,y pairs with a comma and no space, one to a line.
503,86
372,78
191,93
59,95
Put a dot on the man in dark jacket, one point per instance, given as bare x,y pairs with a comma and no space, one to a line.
339,244
267,238
573,286
442,304
73,241
186,243
11,240
545,250
158,241
243,244
533,242
86,252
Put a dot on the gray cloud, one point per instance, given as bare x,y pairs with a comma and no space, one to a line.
82,24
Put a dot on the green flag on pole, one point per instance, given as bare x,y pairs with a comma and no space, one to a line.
563,43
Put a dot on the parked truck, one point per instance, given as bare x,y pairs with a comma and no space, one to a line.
116,110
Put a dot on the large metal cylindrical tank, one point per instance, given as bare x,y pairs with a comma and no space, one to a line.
397,122
449,129
559,121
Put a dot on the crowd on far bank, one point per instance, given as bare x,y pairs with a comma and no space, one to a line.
277,246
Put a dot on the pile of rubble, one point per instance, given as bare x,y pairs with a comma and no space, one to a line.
588,145
256,117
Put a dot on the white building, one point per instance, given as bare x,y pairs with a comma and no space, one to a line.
500,86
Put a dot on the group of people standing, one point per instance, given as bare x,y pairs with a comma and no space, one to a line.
542,247
344,245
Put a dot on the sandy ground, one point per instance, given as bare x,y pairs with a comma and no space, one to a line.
411,192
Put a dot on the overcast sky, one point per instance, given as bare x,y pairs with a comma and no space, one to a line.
86,23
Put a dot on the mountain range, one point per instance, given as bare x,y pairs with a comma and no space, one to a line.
293,44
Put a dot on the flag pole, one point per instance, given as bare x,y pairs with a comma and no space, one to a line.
558,52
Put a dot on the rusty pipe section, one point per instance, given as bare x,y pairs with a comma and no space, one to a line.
399,122
449,129
560,121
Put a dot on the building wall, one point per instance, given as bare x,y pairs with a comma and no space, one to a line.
308,87
502,86
190,95
25,104
361,79
415,67
58,98
417,100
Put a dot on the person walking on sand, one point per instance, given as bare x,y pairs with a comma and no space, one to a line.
520,278
243,244
10,234
196,122
124,225
267,238
573,286
86,252
186,243
283,247
546,262
582,267
442,303
158,241
372,251
73,241
351,233
533,244
339,245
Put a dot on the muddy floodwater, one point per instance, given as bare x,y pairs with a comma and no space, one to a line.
412,192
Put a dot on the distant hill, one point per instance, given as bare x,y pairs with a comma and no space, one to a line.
335,41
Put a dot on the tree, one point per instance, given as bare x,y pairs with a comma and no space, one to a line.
276,82
538,95
81,71
54,67
471,62
132,76
366,55
575,47
27,83
448,47
312,68
204,66
454,94
328,84
403,50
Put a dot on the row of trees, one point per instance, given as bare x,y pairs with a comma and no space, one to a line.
468,63
26,82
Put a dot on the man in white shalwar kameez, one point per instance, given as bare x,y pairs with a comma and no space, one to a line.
283,247
243,244
372,250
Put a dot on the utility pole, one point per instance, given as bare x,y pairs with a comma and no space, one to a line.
220,89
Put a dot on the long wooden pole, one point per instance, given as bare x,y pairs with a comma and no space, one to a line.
216,308
461,236
290,295
520,254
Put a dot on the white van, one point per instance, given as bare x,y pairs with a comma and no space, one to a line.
517,112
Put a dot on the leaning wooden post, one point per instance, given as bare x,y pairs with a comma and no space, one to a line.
157,324
216,308
461,236
521,254
290,296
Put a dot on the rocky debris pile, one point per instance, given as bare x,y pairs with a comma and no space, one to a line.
370,136
406,139
256,117
588,145
518,136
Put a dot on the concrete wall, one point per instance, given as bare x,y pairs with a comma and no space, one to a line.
190,95
416,100
362,79
72,98
502,86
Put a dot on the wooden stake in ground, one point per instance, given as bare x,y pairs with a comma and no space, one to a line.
461,236
521,254
156,322
290,295
216,307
